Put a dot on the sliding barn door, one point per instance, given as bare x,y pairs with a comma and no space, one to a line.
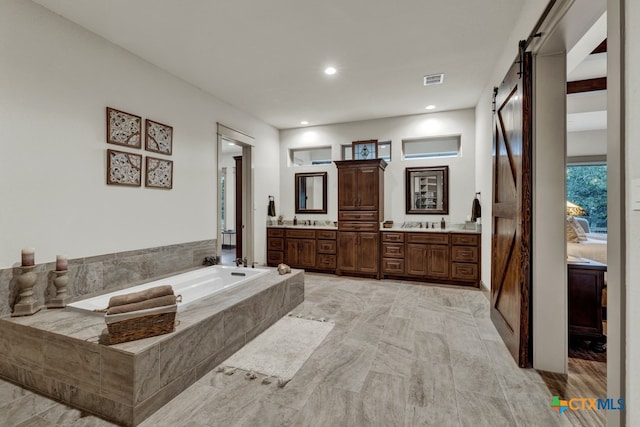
511,213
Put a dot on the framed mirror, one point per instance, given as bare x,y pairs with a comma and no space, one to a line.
311,193
427,190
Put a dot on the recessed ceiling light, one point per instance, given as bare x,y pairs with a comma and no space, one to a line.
304,122
430,107
330,71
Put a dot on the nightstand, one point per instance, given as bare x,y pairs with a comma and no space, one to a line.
586,280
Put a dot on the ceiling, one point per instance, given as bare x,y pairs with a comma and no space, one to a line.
267,58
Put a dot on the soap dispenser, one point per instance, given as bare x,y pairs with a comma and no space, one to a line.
295,220
442,223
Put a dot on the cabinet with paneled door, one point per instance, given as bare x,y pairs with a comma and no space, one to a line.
438,257
307,248
300,248
360,210
428,255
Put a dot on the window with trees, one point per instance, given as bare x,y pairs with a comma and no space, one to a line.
587,187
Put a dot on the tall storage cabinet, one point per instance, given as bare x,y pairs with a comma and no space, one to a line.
360,211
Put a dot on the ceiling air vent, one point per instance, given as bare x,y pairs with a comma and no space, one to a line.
433,79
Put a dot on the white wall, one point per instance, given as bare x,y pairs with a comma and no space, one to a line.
587,143
57,79
395,129
632,154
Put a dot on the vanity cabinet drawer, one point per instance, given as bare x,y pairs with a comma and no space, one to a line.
326,234
358,226
327,261
327,246
464,254
358,216
274,258
393,250
388,236
301,234
275,232
464,239
275,244
464,271
428,237
392,266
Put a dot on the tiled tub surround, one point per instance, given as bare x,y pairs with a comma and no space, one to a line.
96,274
54,352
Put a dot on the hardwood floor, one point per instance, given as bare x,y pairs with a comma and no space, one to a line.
401,354
587,378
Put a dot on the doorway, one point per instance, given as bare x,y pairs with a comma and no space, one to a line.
554,51
235,190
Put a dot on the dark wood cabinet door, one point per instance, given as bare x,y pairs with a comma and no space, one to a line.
438,261
291,255
307,255
368,261
416,260
347,189
368,189
347,251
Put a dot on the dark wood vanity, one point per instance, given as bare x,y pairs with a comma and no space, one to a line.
307,248
446,257
359,247
439,257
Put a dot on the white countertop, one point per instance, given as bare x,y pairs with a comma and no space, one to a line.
396,229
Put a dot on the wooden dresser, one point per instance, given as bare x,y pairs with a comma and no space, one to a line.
360,211
430,256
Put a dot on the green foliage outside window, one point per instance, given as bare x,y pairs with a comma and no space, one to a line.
587,187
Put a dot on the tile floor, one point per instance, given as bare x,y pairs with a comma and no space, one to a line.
401,354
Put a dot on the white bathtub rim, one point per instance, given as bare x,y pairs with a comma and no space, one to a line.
97,310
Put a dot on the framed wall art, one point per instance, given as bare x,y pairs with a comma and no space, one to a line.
158,137
159,173
124,168
124,128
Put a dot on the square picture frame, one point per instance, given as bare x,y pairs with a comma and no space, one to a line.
124,168
124,128
158,137
364,150
158,173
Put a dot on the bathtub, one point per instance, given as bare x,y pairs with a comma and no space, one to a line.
192,286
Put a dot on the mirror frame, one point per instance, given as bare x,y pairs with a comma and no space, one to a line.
322,210
410,173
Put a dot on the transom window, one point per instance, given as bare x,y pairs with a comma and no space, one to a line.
310,156
427,148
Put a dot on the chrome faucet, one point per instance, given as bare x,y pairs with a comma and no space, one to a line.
238,262
244,262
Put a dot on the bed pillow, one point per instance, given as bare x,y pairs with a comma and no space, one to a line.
572,236
576,234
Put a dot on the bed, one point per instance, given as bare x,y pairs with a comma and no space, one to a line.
594,248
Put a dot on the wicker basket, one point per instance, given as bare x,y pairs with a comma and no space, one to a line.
141,324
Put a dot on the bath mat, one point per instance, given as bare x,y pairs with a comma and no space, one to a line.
282,349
